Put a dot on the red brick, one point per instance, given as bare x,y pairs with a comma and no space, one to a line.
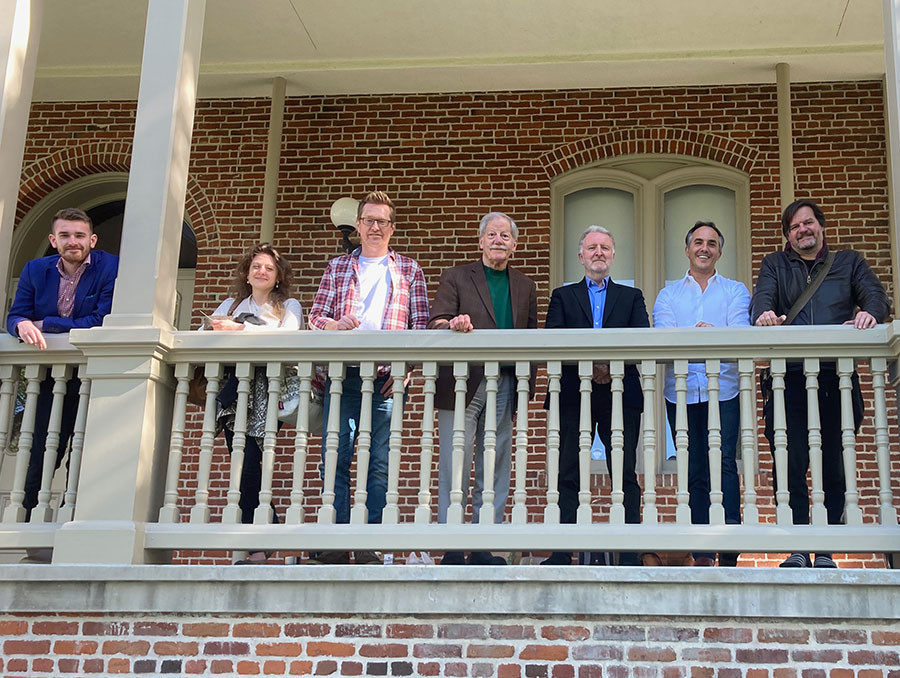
134,648
511,632
870,673
279,649
840,637
651,654
320,648
761,656
461,631
563,671
148,628
173,648
326,667
256,630
221,666
757,673
727,635
206,629
409,631
245,667
78,647
596,652
351,668
590,671
92,666
118,665
619,632
784,673
311,630
490,651
54,628
674,671
358,630
783,636
841,673
226,647
274,667
91,628
17,665
67,665
428,669
858,657
301,668
549,653
675,634
195,666
455,669
891,638
436,651
11,627
702,672
42,665
383,650
817,656
572,633
26,647
509,671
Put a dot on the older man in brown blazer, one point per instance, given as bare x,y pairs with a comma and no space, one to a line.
485,294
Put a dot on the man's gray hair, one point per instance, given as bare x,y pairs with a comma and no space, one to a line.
595,229
490,215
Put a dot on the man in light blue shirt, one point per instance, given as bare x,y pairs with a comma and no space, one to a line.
703,298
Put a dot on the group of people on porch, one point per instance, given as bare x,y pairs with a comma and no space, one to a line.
376,288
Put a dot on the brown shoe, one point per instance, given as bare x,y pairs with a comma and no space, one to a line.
650,559
329,558
704,561
366,558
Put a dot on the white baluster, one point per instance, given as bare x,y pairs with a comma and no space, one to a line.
683,509
15,511
231,514
617,386
295,514
455,509
200,509
42,513
520,511
585,514
813,423
714,439
9,376
169,511
426,454
391,514
852,510
359,514
262,515
648,385
551,510
783,515
746,370
327,513
67,510
491,375
887,514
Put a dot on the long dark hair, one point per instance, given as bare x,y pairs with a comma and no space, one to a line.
284,283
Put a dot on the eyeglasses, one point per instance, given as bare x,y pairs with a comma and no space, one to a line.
371,221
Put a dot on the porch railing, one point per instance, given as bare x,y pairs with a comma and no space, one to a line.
189,515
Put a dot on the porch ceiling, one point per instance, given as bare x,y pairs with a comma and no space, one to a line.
91,49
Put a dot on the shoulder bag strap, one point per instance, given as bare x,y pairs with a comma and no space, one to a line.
810,289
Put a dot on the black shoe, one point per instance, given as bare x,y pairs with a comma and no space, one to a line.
485,558
824,560
454,558
629,559
797,560
558,558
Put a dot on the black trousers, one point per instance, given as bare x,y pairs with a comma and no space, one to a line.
39,442
569,475
251,477
795,406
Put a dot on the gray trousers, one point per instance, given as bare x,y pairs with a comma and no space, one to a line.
474,446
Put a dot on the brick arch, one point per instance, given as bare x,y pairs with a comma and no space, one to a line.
647,140
45,175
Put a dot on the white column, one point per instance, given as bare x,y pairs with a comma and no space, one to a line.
785,134
891,23
20,32
273,161
124,464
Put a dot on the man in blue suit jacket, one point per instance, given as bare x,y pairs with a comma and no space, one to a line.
56,294
597,302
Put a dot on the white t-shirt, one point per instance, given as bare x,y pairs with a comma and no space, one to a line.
292,319
374,283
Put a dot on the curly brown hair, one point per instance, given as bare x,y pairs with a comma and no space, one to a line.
284,283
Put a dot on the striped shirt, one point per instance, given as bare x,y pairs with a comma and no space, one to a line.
65,300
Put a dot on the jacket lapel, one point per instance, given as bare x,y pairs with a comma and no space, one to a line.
613,292
480,282
584,301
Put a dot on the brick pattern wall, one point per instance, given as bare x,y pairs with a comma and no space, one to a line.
447,159
501,647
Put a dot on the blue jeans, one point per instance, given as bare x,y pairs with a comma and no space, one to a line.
376,484
698,460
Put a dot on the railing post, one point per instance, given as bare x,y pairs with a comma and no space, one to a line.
426,455
295,514
327,513
584,514
746,369
683,510
551,510
491,375
617,439
231,514
455,510
520,511
714,428
887,513
817,494
783,514
15,511
169,511
648,385
391,513
200,509
358,513
60,374
274,378
852,510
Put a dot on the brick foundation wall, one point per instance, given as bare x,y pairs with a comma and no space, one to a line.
447,159
480,646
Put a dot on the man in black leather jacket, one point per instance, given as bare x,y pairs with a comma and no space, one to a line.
850,294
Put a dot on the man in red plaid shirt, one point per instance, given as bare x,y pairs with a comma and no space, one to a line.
373,288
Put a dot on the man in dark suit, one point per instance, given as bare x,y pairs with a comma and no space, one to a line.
596,301
56,294
485,294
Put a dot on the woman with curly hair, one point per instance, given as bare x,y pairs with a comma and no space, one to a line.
259,299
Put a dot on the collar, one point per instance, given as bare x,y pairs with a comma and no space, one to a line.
820,255
689,278
597,287
83,265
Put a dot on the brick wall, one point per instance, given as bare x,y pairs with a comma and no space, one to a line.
447,159
497,646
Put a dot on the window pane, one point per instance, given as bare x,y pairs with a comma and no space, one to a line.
607,207
684,207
